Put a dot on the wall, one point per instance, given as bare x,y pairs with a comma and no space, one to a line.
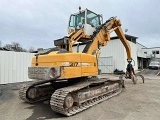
140,51
139,46
116,50
106,64
14,66
149,51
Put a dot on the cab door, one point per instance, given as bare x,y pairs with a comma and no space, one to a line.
71,25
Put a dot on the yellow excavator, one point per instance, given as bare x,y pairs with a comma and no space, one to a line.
69,79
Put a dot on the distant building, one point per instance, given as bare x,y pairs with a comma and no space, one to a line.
153,52
145,55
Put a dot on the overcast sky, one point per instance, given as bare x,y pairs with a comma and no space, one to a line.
38,22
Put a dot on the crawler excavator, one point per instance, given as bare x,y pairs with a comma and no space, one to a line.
68,79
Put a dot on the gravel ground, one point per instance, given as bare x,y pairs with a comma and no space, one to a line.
136,102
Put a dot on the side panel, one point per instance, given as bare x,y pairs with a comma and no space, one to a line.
88,29
89,71
72,64
53,59
70,72
89,65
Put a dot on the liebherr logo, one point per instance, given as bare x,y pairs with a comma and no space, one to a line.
75,64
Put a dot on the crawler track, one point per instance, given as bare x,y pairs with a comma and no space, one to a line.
73,98
23,92
58,98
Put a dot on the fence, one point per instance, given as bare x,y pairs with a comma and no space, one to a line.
14,66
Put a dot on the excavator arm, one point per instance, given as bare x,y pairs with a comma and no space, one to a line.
75,37
71,39
102,35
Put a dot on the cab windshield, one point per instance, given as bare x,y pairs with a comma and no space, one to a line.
79,19
93,19
75,20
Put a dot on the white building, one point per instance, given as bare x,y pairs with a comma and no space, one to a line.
145,55
117,51
153,52
113,55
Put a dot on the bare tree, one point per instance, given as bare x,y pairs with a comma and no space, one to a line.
24,50
16,46
31,49
8,46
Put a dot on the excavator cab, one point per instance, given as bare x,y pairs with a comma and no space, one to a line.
86,20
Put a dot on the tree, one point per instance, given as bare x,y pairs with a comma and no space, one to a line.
8,46
14,46
31,49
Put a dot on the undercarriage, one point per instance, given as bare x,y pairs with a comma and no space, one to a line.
71,97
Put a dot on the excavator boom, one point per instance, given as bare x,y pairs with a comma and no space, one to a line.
102,36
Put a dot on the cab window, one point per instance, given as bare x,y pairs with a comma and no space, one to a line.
93,19
80,18
72,21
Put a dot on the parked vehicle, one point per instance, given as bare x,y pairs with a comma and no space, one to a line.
154,65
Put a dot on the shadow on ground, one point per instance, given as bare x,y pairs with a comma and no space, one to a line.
42,111
148,72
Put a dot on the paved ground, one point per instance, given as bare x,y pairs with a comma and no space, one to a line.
148,72
136,102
